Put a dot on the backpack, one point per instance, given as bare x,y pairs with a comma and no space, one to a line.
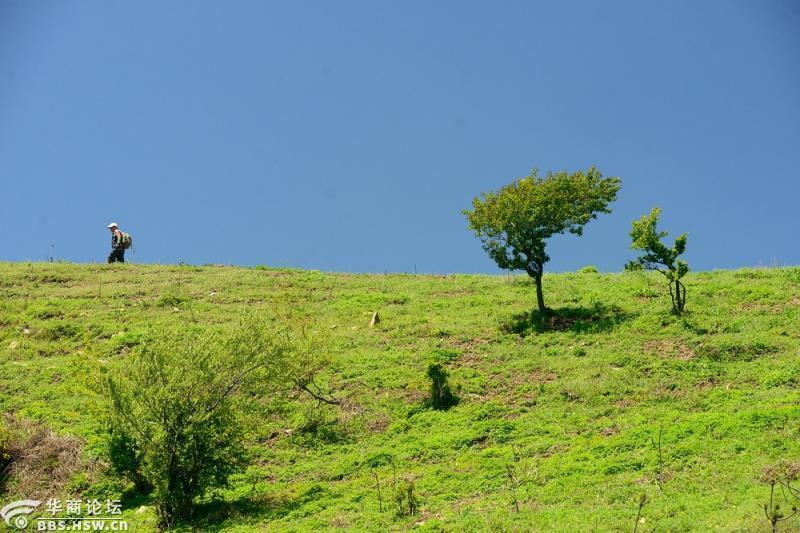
127,240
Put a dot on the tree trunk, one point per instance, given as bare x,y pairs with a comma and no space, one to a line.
539,295
681,295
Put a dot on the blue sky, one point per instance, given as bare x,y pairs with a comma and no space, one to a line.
349,135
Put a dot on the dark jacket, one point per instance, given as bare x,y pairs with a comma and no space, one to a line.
116,240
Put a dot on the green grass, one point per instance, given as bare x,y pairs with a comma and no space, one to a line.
573,403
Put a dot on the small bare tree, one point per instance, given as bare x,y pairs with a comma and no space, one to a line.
642,503
781,476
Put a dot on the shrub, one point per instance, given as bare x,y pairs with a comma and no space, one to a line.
126,458
441,396
657,256
405,499
175,409
589,269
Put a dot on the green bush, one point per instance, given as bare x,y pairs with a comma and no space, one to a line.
442,397
589,269
126,458
405,499
176,408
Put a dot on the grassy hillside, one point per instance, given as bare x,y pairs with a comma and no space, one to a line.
572,406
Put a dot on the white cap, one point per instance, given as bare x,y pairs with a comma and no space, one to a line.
112,225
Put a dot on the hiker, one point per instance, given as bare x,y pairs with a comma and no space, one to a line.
117,254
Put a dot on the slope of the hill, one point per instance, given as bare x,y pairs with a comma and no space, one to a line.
562,416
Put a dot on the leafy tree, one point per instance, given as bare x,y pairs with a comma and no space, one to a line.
515,222
177,406
657,256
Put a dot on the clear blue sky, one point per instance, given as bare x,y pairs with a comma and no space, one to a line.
349,135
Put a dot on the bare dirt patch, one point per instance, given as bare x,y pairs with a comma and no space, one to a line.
471,350
669,349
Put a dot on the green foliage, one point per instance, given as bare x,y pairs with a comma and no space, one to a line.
405,499
175,409
126,457
444,356
442,397
581,424
736,348
589,269
515,222
59,330
171,299
657,256
375,463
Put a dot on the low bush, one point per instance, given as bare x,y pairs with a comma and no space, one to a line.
405,499
176,408
442,397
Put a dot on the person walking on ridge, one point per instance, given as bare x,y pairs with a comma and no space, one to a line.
117,254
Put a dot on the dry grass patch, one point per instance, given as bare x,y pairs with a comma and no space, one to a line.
36,462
